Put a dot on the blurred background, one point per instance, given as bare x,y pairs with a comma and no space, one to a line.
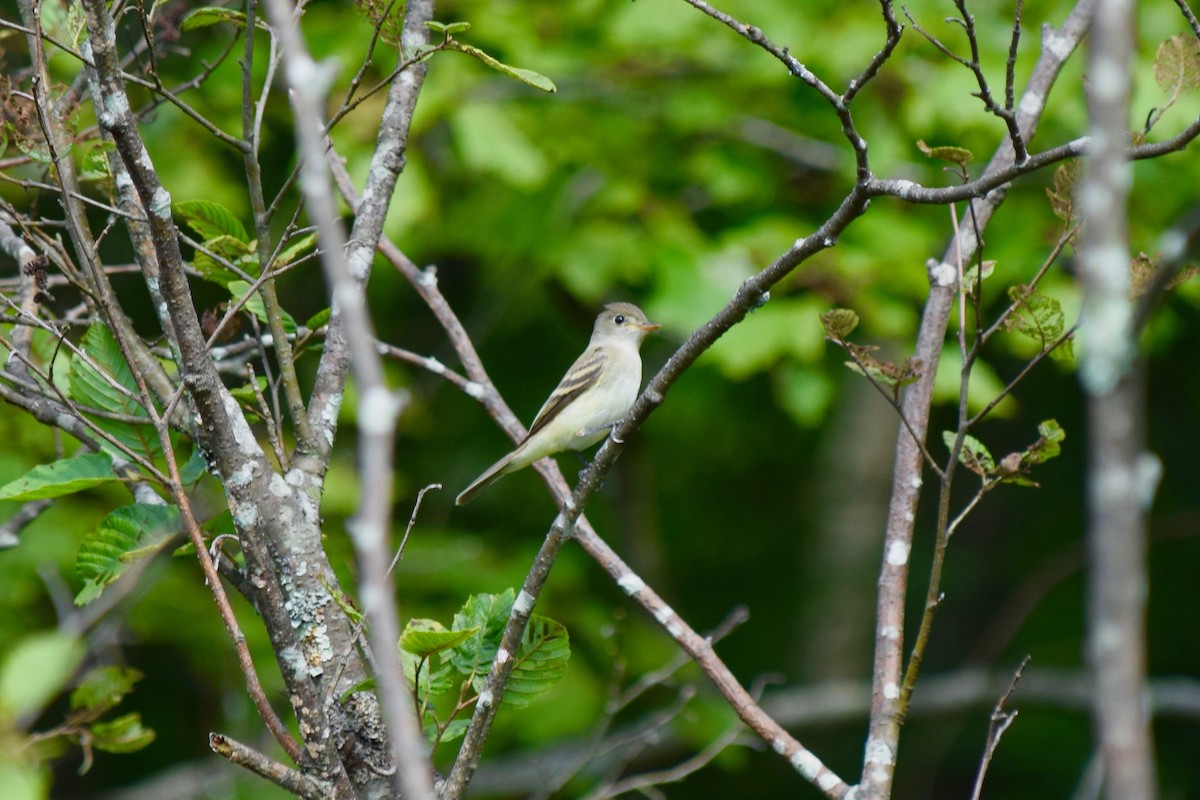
674,161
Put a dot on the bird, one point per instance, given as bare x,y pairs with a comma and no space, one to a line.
596,393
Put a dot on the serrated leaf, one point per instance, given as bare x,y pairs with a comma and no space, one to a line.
974,455
1041,318
230,249
386,16
1016,466
93,387
103,688
527,76
36,669
1142,271
94,164
123,536
886,373
62,477
207,218
839,323
487,614
433,679
125,734
540,662
1050,444
1177,63
255,305
1062,194
454,731
957,155
424,637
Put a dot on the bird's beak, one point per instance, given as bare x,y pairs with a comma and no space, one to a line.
649,326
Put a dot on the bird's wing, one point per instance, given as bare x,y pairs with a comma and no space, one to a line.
582,375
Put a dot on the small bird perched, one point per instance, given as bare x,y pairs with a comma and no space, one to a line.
596,393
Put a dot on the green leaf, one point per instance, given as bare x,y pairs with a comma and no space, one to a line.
125,734
454,731
540,663
319,320
256,306
203,17
205,217
971,276
36,669
94,164
487,614
125,535
245,393
839,323
1050,444
93,386
63,477
527,76
974,455
194,468
103,688
1041,318
231,249
432,680
294,250
448,28
424,637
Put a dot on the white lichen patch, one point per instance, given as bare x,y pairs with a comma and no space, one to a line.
897,554
630,583
278,486
805,763
524,603
878,752
245,516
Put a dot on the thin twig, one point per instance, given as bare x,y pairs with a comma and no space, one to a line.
998,724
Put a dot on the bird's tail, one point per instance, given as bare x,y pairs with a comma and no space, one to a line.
494,473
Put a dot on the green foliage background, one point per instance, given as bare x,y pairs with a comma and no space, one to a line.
673,162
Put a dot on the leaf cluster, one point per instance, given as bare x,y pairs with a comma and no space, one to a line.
439,660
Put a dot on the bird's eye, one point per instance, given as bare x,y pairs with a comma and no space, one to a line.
619,319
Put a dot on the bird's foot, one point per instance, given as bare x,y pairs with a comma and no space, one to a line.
613,434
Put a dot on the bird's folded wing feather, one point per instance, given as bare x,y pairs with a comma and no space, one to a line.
582,375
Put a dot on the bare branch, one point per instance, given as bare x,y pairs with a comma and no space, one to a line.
998,724
289,779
